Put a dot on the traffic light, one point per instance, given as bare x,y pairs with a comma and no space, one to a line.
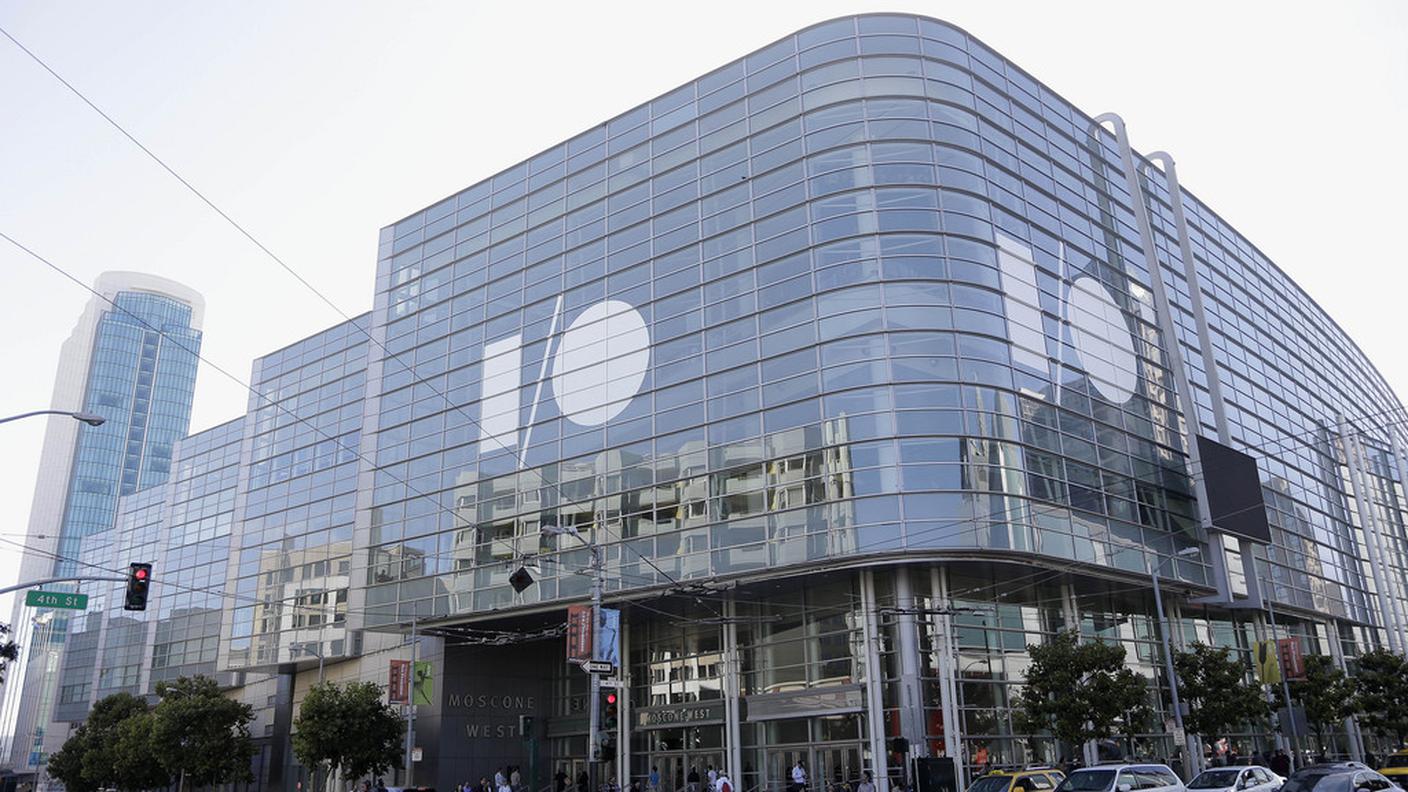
609,723
139,580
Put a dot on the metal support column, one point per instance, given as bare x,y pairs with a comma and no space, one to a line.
1359,478
947,652
1183,387
1351,726
911,686
874,682
733,678
623,710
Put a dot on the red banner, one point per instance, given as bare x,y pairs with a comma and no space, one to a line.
398,686
1292,662
579,633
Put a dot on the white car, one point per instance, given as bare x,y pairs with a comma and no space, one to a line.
1122,778
1236,779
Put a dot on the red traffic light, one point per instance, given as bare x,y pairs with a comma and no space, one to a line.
139,573
610,698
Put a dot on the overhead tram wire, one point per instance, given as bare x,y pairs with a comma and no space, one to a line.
288,268
266,399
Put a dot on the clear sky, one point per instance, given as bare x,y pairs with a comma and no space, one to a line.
316,123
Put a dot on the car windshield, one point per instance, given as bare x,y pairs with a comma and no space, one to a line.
990,784
1214,779
1397,760
1320,782
1087,781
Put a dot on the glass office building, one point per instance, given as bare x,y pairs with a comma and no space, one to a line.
132,360
876,361
865,361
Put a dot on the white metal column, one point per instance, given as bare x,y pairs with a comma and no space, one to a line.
911,688
1183,387
733,678
1350,443
874,681
947,655
1351,726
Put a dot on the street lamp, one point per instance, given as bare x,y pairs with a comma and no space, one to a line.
1186,552
89,418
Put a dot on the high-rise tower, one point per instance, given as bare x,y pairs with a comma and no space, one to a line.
131,359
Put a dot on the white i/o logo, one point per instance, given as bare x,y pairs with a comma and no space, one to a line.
597,368
1098,328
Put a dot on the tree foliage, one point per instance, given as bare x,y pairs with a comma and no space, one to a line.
1381,694
349,728
201,737
1078,691
1326,694
9,651
1214,685
110,749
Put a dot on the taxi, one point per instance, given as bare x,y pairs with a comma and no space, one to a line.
1031,779
1395,768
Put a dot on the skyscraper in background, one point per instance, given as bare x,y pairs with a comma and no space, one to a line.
131,359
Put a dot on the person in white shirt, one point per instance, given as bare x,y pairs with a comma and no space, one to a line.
867,783
799,777
723,785
713,779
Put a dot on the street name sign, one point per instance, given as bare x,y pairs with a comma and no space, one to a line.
56,599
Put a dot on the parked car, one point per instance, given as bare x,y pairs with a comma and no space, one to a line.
1123,778
1338,777
1395,768
1253,778
1032,779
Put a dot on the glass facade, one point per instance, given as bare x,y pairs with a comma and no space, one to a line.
866,360
140,377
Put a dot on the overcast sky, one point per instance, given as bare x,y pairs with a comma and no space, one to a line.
314,124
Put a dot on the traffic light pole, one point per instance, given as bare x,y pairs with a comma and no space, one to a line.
70,578
594,721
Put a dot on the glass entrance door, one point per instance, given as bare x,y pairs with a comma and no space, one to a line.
837,768
780,764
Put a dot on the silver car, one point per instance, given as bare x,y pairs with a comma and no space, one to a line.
1236,779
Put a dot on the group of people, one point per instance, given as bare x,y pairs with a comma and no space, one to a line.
717,779
506,779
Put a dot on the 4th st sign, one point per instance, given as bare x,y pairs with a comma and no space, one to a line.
56,599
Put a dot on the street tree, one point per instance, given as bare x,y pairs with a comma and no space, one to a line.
1381,694
1326,694
1078,691
109,749
9,651
1214,684
200,736
348,728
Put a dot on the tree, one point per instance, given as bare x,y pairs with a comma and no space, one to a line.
201,737
9,651
1078,691
1213,683
110,749
1326,694
348,728
1381,694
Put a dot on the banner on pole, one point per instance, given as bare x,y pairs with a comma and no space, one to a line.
424,686
398,684
606,643
1292,662
579,633
1267,658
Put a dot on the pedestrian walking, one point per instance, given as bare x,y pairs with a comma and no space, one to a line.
724,785
799,777
867,783
713,776
692,780
654,780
